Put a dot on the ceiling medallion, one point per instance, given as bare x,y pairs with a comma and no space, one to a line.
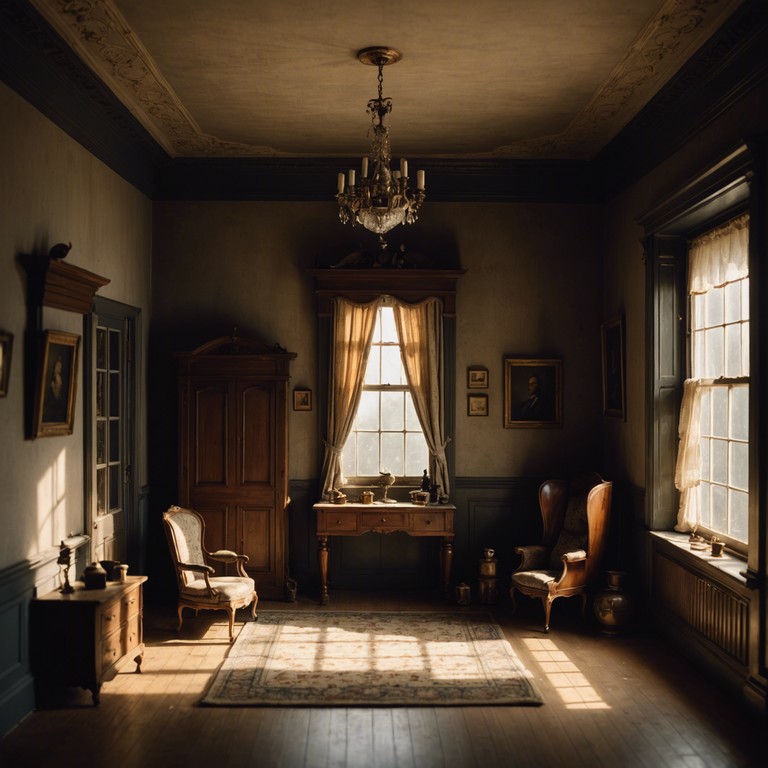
382,198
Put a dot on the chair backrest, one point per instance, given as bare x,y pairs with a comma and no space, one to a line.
575,516
184,529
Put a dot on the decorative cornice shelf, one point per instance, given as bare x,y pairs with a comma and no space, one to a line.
55,283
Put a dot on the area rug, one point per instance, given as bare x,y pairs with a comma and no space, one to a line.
344,658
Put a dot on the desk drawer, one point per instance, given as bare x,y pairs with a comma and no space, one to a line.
132,603
110,617
332,521
429,521
384,519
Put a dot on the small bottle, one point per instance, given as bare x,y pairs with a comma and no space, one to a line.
425,482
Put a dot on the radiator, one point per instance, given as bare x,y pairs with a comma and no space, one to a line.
716,613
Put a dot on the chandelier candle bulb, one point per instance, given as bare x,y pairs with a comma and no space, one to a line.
420,179
341,183
365,167
404,168
351,177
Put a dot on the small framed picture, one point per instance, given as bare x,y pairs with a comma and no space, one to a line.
56,384
6,347
302,399
477,405
477,377
612,338
533,393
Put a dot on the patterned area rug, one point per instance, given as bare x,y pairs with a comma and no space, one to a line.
334,658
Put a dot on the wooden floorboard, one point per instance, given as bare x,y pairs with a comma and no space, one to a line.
628,701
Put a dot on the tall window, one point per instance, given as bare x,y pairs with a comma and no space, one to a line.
717,430
386,434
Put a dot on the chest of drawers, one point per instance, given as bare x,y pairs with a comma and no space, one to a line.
82,638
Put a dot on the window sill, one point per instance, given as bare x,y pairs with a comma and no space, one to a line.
728,564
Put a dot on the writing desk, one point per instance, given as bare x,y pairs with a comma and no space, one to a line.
356,519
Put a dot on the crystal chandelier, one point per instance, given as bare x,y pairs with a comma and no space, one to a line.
382,198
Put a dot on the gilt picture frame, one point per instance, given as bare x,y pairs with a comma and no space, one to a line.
6,348
56,388
533,393
302,399
613,364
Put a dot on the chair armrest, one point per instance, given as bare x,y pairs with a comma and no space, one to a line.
534,556
574,571
572,557
195,567
227,556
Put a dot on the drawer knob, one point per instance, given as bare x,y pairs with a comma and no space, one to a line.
338,522
383,519
429,522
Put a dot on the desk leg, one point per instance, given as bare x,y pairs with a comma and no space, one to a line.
446,562
322,562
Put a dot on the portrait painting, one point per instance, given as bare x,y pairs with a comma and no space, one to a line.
612,338
302,399
56,384
533,393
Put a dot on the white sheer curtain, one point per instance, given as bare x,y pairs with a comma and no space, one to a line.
714,259
351,336
420,329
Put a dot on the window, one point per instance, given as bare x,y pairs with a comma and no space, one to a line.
718,297
386,434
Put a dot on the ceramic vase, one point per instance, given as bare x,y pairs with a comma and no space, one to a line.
613,605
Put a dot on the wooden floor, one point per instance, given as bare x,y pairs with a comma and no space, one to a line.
608,702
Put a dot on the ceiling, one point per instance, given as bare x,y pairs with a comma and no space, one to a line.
535,79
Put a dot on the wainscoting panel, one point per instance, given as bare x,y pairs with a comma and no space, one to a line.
17,696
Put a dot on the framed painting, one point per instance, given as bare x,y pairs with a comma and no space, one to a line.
302,399
6,347
614,387
477,377
533,392
477,405
56,384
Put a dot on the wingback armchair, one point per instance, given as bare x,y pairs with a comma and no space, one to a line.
575,517
199,588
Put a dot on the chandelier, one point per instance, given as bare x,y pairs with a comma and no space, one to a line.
382,198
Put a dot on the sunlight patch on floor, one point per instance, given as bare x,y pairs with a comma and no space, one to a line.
570,683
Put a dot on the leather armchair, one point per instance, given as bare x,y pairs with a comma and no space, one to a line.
575,518
199,587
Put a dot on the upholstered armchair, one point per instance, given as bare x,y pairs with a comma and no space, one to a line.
199,588
575,516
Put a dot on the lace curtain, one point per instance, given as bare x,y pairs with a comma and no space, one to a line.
714,259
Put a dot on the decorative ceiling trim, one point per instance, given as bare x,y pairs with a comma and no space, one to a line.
101,36
668,40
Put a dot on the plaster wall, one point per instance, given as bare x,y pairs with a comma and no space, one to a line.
53,190
532,288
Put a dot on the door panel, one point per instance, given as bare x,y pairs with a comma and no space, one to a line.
257,441
210,434
256,529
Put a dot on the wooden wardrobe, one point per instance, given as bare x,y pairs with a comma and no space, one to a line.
233,451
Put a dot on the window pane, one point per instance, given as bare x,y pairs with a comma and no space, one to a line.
368,411
739,516
714,309
714,353
745,349
114,441
739,466
745,298
417,455
101,491
705,504
392,454
740,413
698,355
101,348
101,392
368,453
719,509
720,411
706,463
392,410
114,487
411,419
348,456
373,369
114,394
388,329
719,468
732,302
391,366
733,350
